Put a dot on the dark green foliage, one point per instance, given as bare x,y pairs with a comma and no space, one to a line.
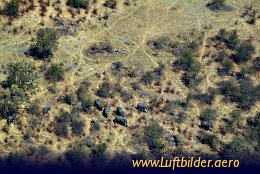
190,65
209,139
256,64
230,38
105,90
187,62
85,98
230,90
225,61
21,74
77,127
244,52
207,97
68,99
46,43
61,129
237,149
55,73
62,124
245,94
11,8
78,3
10,99
35,108
150,76
254,128
219,2
153,137
99,150
231,124
209,115
76,155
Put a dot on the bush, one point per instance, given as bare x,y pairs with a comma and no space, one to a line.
207,97
21,74
230,38
76,155
55,73
245,95
61,129
85,98
61,125
77,127
208,115
105,90
78,3
12,8
94,126
153,137
209,139
244,52
150,76
256,64
35,108
99,150
237,149
46,43
187,62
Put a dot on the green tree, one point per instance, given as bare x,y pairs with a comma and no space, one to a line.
21,74
244,52
78,3
11,8
46,43
55,73
99,150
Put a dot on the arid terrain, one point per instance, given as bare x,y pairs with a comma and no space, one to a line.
132,49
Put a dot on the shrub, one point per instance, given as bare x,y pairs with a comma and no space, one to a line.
70,99
61,129
12,8
237,149
94,126
256,64
187,62
85,98
153,137
78,3
219,2
209,139
105,90
76,155
227,66
207,97
244,52
46,43
99,150
230,90
35,108
55,73
232,40
77,127
209,115
245,95
149,76
21,74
